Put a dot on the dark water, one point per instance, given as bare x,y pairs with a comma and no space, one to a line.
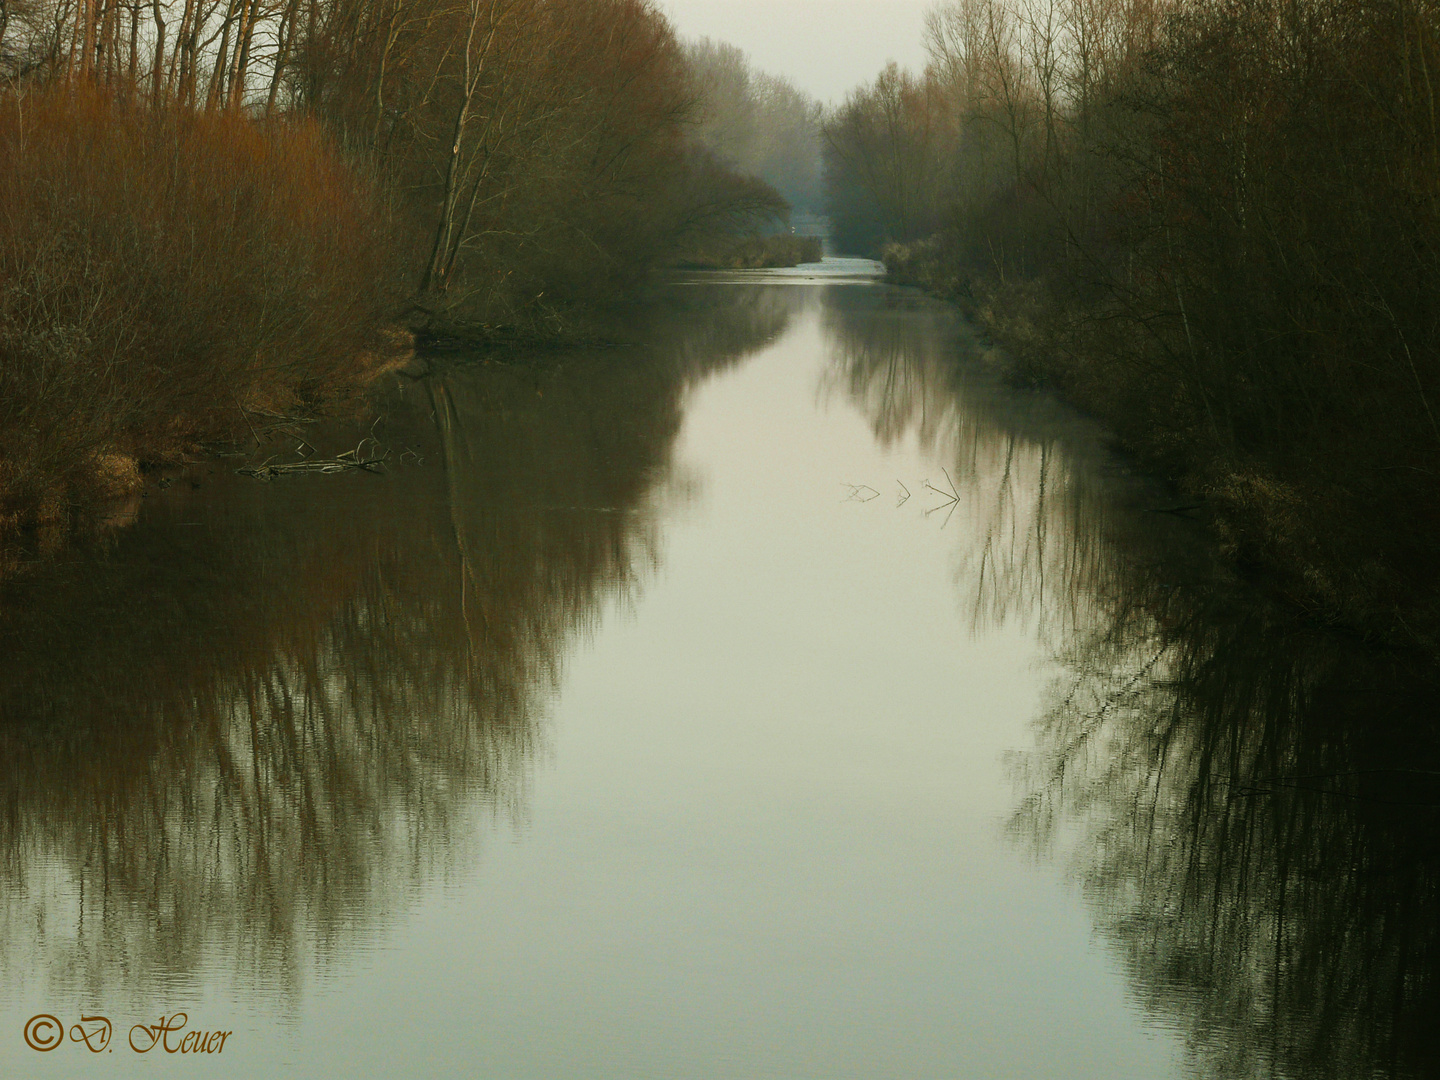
779,698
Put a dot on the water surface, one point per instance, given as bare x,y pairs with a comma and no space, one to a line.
779,697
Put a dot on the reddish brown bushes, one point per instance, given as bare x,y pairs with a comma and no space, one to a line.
158,270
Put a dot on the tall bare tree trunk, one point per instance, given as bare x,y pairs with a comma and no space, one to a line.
242,60
105,49
285,36
87,36
222,62
157,59
434,279
134,47
176,70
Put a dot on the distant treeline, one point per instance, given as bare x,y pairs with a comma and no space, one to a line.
211,209
758,123
1214,223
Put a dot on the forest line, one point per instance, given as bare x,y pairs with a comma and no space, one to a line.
1211,223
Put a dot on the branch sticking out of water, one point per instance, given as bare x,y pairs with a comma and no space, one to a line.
366,455
951,496
861,492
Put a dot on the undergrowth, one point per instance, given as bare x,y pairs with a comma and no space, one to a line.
164,273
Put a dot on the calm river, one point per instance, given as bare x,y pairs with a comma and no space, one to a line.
781,697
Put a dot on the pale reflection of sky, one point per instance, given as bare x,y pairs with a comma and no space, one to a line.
825,47
768,839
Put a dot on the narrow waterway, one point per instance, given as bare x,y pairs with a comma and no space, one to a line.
780,697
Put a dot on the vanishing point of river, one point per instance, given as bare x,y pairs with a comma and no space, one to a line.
781,697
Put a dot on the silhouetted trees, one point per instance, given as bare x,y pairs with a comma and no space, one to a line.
886,152
536,150
759,124
1213,222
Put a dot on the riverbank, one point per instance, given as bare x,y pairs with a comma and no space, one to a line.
167,278
1215,230
167,275
1334,523
755,253
172,277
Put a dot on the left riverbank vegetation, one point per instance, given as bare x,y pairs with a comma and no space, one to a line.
164,274
215,210
1213,223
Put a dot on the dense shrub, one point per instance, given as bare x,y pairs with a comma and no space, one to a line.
160,270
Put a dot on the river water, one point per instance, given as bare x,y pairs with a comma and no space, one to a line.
781,696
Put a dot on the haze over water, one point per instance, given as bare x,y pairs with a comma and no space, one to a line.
782,698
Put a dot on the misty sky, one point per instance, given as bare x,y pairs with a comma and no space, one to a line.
824,47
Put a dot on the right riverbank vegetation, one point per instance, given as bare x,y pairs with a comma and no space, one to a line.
218,212
1215,225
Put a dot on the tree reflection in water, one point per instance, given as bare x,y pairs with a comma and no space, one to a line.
1251,803
226,745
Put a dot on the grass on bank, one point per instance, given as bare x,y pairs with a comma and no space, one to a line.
755,253
162,270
